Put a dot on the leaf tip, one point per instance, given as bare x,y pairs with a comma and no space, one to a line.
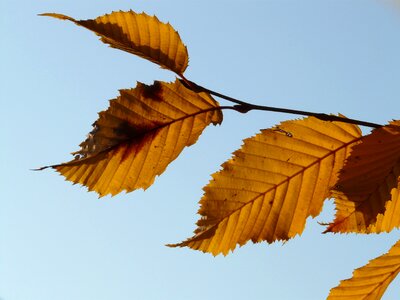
57,16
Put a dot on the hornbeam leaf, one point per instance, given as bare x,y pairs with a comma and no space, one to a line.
371,281
272,184
142,131
367,179
139,34
390,219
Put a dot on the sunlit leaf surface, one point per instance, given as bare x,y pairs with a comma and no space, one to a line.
139,34
390,219
272,184
367,179
142,131
371,281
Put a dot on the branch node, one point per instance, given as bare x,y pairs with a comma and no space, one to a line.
242,108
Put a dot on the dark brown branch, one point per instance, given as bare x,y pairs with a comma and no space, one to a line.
244,107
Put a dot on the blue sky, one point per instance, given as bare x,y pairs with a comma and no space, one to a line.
59,242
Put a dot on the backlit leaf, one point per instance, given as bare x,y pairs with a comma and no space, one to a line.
272,184
139,34
367,179
390,219
142,131
371,281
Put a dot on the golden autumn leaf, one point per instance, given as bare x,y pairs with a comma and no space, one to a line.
390,219
371,281
135,139
272,184
367,179
140,34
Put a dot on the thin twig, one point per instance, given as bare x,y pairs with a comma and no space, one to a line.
244,107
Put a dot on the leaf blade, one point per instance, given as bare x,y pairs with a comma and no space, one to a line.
139,34
370,281
390,219
366,181
256,194
135,139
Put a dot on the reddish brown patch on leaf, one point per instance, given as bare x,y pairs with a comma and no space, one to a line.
136,145
126,130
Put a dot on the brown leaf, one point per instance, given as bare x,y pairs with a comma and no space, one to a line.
139,34
372,280
272,184
135,139
367,179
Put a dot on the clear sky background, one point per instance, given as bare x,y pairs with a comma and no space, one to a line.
59,242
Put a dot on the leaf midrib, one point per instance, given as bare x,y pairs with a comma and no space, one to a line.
140,136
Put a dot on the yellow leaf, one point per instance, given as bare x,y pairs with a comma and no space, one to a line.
370,281
139,34
135,139
272,184
390,219
366,181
